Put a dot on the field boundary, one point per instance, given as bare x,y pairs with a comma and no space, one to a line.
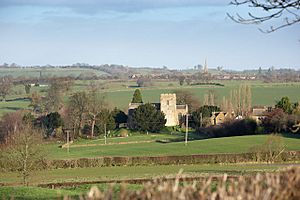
135,181
109,161
108,144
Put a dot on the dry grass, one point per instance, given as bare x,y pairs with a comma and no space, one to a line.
282,185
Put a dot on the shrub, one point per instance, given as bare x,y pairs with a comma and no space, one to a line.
232,128
271,151
123,132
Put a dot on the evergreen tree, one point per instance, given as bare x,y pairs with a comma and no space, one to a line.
137,97
285,105
147,118
51,122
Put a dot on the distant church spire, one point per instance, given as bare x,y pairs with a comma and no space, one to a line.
205,70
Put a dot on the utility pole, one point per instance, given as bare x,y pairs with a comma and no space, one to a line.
105,133
186,125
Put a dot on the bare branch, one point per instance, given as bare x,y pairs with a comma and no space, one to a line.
286,10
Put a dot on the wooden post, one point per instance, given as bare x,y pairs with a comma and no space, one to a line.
68,141
186,125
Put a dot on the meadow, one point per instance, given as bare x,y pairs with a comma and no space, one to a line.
119,93
152,145
48,72
262,93
135,172
102,174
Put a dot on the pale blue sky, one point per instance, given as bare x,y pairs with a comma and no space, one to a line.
156,33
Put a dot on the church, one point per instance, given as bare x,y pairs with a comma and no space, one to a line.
168,106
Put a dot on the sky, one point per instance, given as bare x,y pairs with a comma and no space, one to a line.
178,34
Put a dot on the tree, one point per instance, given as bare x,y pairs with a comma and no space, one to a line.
296,109
185,97
78,108
285,105
201,115
23,153
6,83
137,97
105,121
147,118
96,104
9,125
275,121
143,82
54,98
285,11
51,122
212,98
27,88
36,102
181,80
241,100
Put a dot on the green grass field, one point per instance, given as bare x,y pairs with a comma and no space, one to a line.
262,93
134,172
236,144
21,192
59,72
119,93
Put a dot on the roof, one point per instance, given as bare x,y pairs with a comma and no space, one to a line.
180,106
259,111
216,114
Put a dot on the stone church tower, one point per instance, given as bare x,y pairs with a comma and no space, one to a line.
173,113
168,107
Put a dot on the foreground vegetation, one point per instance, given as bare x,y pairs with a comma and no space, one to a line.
247,187
282,185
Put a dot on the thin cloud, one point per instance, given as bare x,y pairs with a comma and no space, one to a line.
113,5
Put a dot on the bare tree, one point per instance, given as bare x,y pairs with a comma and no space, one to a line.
212,98
9,125
186,97
248,99
23,152
286,11
36,102
96,104
241,99
205,99
54,98
6,83
225,104
78,106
